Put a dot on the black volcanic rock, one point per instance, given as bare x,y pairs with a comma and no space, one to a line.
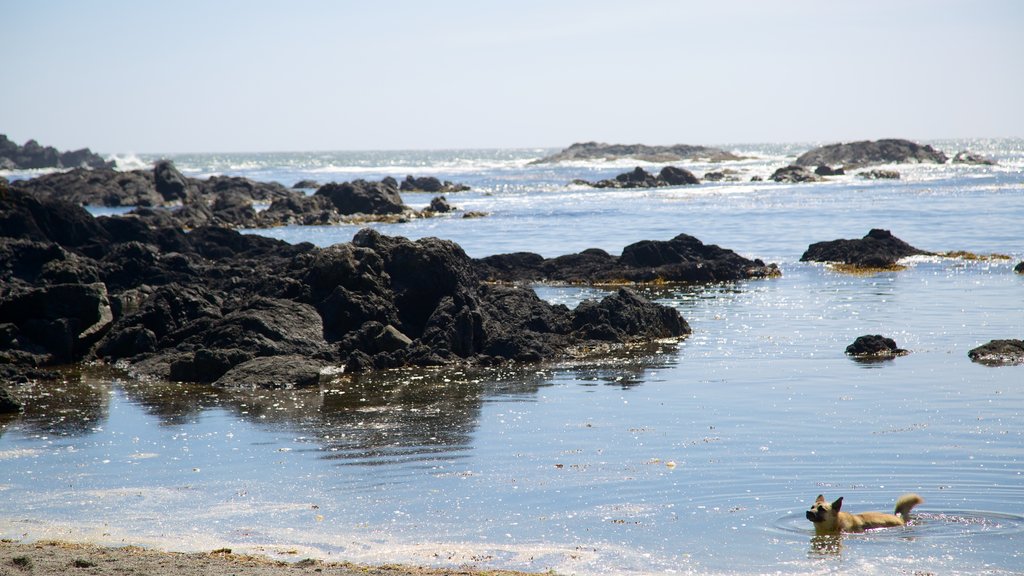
430,184
863,153
999,353
640,178
215,305
794,174
968,157
878,249
96,187
878,174
601,151
682,259
363,197
32,155
874,346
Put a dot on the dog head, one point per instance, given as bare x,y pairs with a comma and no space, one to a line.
825,516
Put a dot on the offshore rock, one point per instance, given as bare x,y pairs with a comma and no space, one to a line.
878,249
682,259
999,353
968,157
878,174
32,155
363,197
590,151
794,175
640,178
430,184
866,152
826,170
874,346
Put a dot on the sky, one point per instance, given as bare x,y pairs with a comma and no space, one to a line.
141,76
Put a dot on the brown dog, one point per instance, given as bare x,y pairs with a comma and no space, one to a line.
828,519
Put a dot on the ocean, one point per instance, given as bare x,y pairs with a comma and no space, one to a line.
697,457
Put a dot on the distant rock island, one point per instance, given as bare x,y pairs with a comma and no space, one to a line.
602,151
868,152
32,155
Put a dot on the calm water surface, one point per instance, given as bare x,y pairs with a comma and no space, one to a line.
692,457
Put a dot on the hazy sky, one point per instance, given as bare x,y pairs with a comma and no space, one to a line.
250,75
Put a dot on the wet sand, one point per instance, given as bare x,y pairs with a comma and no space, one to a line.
62,558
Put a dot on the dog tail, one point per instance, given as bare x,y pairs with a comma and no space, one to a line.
905,504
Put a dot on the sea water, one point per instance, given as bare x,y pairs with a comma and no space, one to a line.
691,457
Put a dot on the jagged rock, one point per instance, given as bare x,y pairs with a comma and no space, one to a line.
8,403
794,174
362,197
999,353
306,185
58,323
825,170
171,184
600,151
99,187
430,184
865,152
874,346
33,156
440,205
1019,268
682,259
968,157
640,178
878,249
878,174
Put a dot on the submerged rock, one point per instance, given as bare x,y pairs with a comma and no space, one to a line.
999,353
874,346
878,174
601,151
878,249
866,152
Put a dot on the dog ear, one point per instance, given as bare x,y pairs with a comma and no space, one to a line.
837,505
821,498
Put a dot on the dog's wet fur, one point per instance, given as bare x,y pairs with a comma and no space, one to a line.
829,519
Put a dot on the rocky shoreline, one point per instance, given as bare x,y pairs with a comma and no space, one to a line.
50,558
213,305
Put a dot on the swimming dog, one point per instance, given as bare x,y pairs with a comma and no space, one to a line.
829,520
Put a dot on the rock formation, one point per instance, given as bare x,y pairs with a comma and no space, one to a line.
590,151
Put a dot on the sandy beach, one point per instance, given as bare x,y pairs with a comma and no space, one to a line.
50,557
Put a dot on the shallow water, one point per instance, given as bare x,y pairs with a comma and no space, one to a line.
691,457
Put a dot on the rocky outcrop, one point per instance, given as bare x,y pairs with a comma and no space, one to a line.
32,156
867,152
826,170
363,197
8,403
591,151
999,353
878,249
214,305
431,185
1019,268
640,178
794,175
968,157
874,346
879,174
96,187
682,259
